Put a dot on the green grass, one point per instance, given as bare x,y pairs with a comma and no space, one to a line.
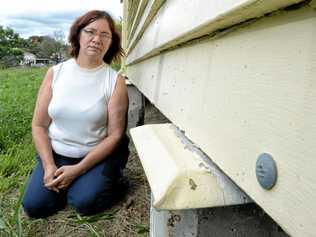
18,91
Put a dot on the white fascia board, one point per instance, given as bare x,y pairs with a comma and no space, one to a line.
179,174
179,21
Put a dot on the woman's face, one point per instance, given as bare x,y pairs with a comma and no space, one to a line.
95,39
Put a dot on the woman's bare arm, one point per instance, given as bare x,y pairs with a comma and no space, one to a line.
40,124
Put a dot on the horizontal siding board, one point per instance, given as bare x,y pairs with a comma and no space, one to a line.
141,7
132,10
124,24
148,14
249,92
174,25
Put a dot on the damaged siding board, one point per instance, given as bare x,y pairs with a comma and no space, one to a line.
249,92
174,25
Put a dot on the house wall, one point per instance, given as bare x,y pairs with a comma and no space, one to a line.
239,92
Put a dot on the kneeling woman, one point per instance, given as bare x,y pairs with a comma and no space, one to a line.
79,124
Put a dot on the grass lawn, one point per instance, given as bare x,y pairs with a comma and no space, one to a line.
129,217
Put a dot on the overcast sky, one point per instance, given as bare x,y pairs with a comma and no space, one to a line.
43,17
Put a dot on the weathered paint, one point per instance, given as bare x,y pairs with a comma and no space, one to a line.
249,92
174,25
190,179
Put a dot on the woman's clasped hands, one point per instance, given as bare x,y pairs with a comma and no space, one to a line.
57,179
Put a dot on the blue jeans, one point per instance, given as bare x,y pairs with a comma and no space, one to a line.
90,193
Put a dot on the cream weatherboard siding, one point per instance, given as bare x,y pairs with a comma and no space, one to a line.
245,91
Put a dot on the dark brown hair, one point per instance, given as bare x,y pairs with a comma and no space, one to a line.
115,51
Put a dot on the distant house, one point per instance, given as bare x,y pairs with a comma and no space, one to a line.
28,59
43,61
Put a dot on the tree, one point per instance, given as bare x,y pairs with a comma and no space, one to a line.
48,47
11,47
118,25
60,46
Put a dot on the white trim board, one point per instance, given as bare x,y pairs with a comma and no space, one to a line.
179,174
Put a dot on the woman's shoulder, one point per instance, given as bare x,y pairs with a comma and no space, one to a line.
66,62
58,67
110,72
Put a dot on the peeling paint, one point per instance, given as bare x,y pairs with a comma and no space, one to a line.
193,148
208,165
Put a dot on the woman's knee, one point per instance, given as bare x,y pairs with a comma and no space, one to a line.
33,211
37,210
40,206
88,204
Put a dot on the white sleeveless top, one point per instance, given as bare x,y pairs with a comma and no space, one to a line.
78,107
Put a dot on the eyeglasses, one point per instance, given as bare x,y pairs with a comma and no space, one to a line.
92,33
